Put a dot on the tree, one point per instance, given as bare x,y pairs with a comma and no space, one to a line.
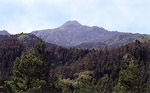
102,84
129,77
41,52
84,85
64,85
27,74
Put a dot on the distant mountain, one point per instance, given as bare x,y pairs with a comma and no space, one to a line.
4,32
115,41
123,39
144,39
73,33
92,45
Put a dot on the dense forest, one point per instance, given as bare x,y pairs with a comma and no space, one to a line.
28,64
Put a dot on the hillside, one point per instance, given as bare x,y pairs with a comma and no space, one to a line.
4,32
12,46
144,39
92,45
72,33
64,70
29,40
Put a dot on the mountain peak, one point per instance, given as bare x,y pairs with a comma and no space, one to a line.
71,24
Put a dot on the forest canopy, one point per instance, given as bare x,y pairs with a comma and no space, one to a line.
29,66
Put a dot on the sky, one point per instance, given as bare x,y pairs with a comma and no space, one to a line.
18,16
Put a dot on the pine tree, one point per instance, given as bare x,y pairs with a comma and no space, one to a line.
129,76
27,75
102,84
30,72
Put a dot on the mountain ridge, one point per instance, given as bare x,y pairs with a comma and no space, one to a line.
72,33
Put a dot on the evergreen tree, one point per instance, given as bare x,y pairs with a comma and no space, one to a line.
102,84
27,74
129,76
31,70
41,52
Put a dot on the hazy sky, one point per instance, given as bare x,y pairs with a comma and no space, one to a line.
18,16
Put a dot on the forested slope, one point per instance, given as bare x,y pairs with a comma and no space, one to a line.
29,67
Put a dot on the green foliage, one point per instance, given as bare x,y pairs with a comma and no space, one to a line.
102,84
4,87
84,84
129,77
23,37
148,82
64,85
45,67
27,73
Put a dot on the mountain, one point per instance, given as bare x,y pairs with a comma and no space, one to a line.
4,32
144,39
92,45
115,41
72,33
122,39
71,69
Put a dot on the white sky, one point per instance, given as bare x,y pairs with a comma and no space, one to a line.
18,16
